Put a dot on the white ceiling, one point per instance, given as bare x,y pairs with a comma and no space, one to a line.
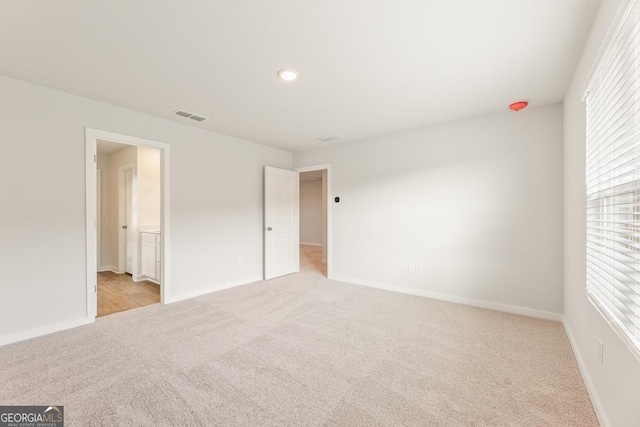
311,176
108,147
366,67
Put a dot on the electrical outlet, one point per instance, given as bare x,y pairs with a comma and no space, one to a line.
412,268
601,352
418,269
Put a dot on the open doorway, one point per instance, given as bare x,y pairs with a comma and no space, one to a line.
314,219
313,222
128,273
127,199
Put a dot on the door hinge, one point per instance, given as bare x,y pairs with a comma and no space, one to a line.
95,288
95,159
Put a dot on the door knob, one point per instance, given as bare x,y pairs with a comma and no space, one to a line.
125,227
269,228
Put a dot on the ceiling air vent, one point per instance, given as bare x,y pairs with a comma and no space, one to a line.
189,115
330,138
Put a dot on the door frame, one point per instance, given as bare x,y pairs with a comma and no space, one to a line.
327,167
122,218
98,216
91,137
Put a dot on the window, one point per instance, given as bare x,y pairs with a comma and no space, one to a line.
613,181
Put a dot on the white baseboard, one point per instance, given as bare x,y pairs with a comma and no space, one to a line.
142,278
207,290
453,298
44,330
113,269
310,244
591,389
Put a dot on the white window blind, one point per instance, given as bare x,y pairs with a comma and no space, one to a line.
613,181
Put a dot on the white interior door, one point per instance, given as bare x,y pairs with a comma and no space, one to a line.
282,222
128,226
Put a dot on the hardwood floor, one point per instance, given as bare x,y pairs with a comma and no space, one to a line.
311,259
118,292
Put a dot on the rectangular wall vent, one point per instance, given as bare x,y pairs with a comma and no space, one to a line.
189,115
330,138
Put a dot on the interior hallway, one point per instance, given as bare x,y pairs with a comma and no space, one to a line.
311,259
118,292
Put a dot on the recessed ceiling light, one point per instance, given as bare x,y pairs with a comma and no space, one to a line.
288,74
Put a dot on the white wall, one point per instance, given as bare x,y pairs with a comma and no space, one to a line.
615,384
216,204
148,178
311,212
104,164
476,203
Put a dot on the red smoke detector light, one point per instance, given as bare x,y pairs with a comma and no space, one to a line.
517,106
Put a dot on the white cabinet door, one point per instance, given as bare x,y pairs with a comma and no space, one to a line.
148,259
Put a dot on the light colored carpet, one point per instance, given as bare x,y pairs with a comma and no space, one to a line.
303,350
